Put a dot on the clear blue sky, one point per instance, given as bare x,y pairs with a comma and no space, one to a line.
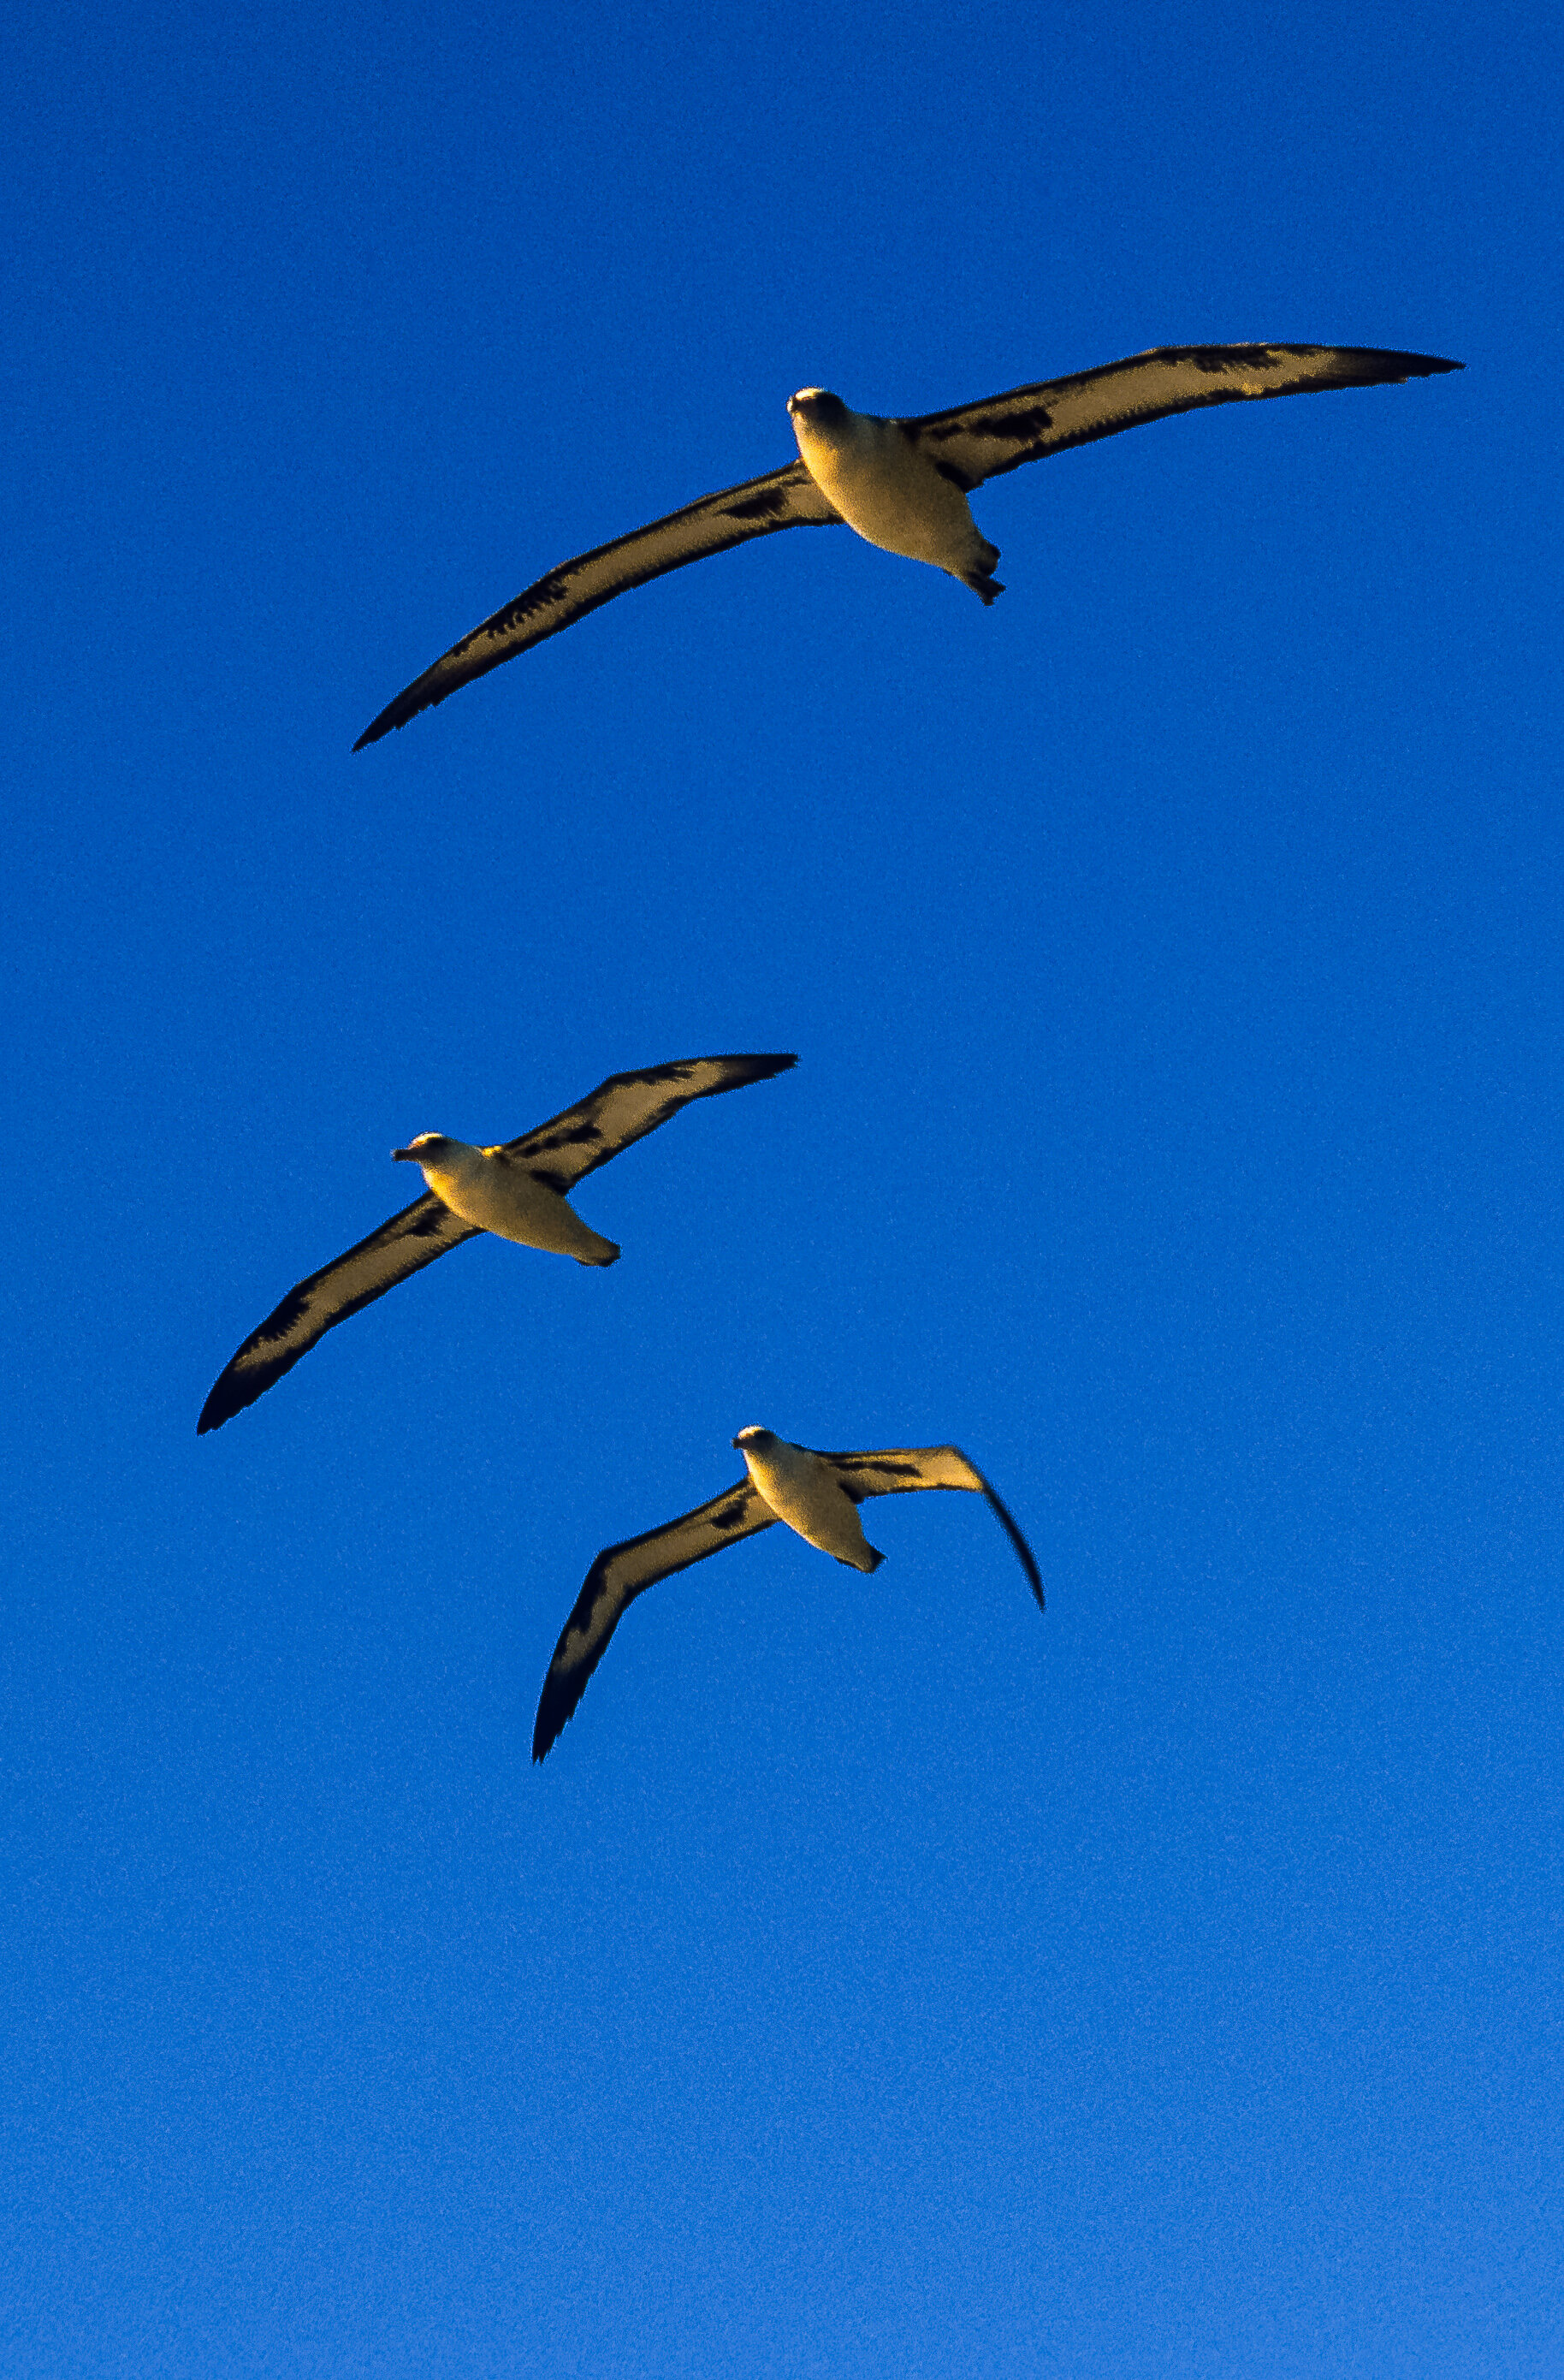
879,1978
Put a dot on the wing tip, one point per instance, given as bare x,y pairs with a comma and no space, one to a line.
740,1068
1409,367
1387,364
1008,1522
420,696
392,716
556,1708
1391,367
219,1409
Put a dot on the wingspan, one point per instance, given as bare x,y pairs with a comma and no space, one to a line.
974,443
618,1575
784,499
896,1471
628,1107
412,1239
559,1153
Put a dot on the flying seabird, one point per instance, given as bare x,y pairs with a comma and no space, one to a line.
517,1191
902,484
817,1495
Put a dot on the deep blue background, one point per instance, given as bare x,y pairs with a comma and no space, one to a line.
876,1979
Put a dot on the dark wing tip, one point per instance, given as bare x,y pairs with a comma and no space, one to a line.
763,1063
1380,367
395,715
422,694
556,1704
1392,364
740,1068
756,1064
240,1385
224,1400
566,1681
1028,1560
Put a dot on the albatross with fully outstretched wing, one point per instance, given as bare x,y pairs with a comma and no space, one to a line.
517,1191
817,1495
902,484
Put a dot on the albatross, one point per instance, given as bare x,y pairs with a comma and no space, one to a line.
517,1191
902,484
817,1495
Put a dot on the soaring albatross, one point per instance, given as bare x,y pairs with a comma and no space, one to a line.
902,484
817,1495
517,1191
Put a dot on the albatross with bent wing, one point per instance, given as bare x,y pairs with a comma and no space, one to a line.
817,1495
517,1191
902,484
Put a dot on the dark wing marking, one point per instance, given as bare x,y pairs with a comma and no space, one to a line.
784,499
974,443
412,1239
619,1574
627,1107
896,1471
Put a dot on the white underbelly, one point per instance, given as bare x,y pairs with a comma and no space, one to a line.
811,1499
896,499
512,1203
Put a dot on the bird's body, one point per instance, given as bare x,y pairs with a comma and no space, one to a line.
495,1191
801,1488
816,1495
891,490
902,483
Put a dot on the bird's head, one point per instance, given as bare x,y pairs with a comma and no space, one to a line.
428,1149
755,1438
817,409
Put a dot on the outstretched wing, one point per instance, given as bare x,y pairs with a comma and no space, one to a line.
974,443
412,1239
619,1574
896,1469
784,499
628,1107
